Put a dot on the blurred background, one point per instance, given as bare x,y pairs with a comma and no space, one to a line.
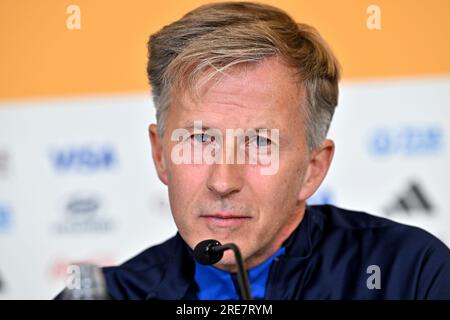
77,182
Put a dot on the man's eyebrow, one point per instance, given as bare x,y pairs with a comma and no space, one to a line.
257,129
190,126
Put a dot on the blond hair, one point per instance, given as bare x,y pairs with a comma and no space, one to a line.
217,36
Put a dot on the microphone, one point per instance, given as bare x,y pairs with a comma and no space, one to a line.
86,282
208,252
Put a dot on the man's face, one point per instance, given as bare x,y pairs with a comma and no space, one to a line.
235,202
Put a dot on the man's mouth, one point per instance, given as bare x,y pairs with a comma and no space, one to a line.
225,219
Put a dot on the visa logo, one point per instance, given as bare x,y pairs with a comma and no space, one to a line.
84,159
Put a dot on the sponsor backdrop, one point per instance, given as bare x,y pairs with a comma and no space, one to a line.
77,181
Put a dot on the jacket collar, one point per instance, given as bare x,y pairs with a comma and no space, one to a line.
290,268
177,281
301,242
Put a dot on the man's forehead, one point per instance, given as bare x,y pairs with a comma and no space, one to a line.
265,85
228,114
263,95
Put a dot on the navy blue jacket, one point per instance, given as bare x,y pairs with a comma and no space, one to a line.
333,254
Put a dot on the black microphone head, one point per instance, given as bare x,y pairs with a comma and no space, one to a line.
204,254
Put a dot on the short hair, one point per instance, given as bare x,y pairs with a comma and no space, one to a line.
215,37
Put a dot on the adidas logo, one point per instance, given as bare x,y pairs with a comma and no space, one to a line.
412,200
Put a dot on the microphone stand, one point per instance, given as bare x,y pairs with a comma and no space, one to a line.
241,272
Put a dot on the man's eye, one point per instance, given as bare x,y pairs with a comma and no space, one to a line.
202,137
262,141
259,142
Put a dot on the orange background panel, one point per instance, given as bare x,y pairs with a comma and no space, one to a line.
41,57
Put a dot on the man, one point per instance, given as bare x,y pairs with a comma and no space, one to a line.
249,68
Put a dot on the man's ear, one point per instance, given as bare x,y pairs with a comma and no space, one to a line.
157,153
317,169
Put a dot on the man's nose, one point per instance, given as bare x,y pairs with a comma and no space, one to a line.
225,179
